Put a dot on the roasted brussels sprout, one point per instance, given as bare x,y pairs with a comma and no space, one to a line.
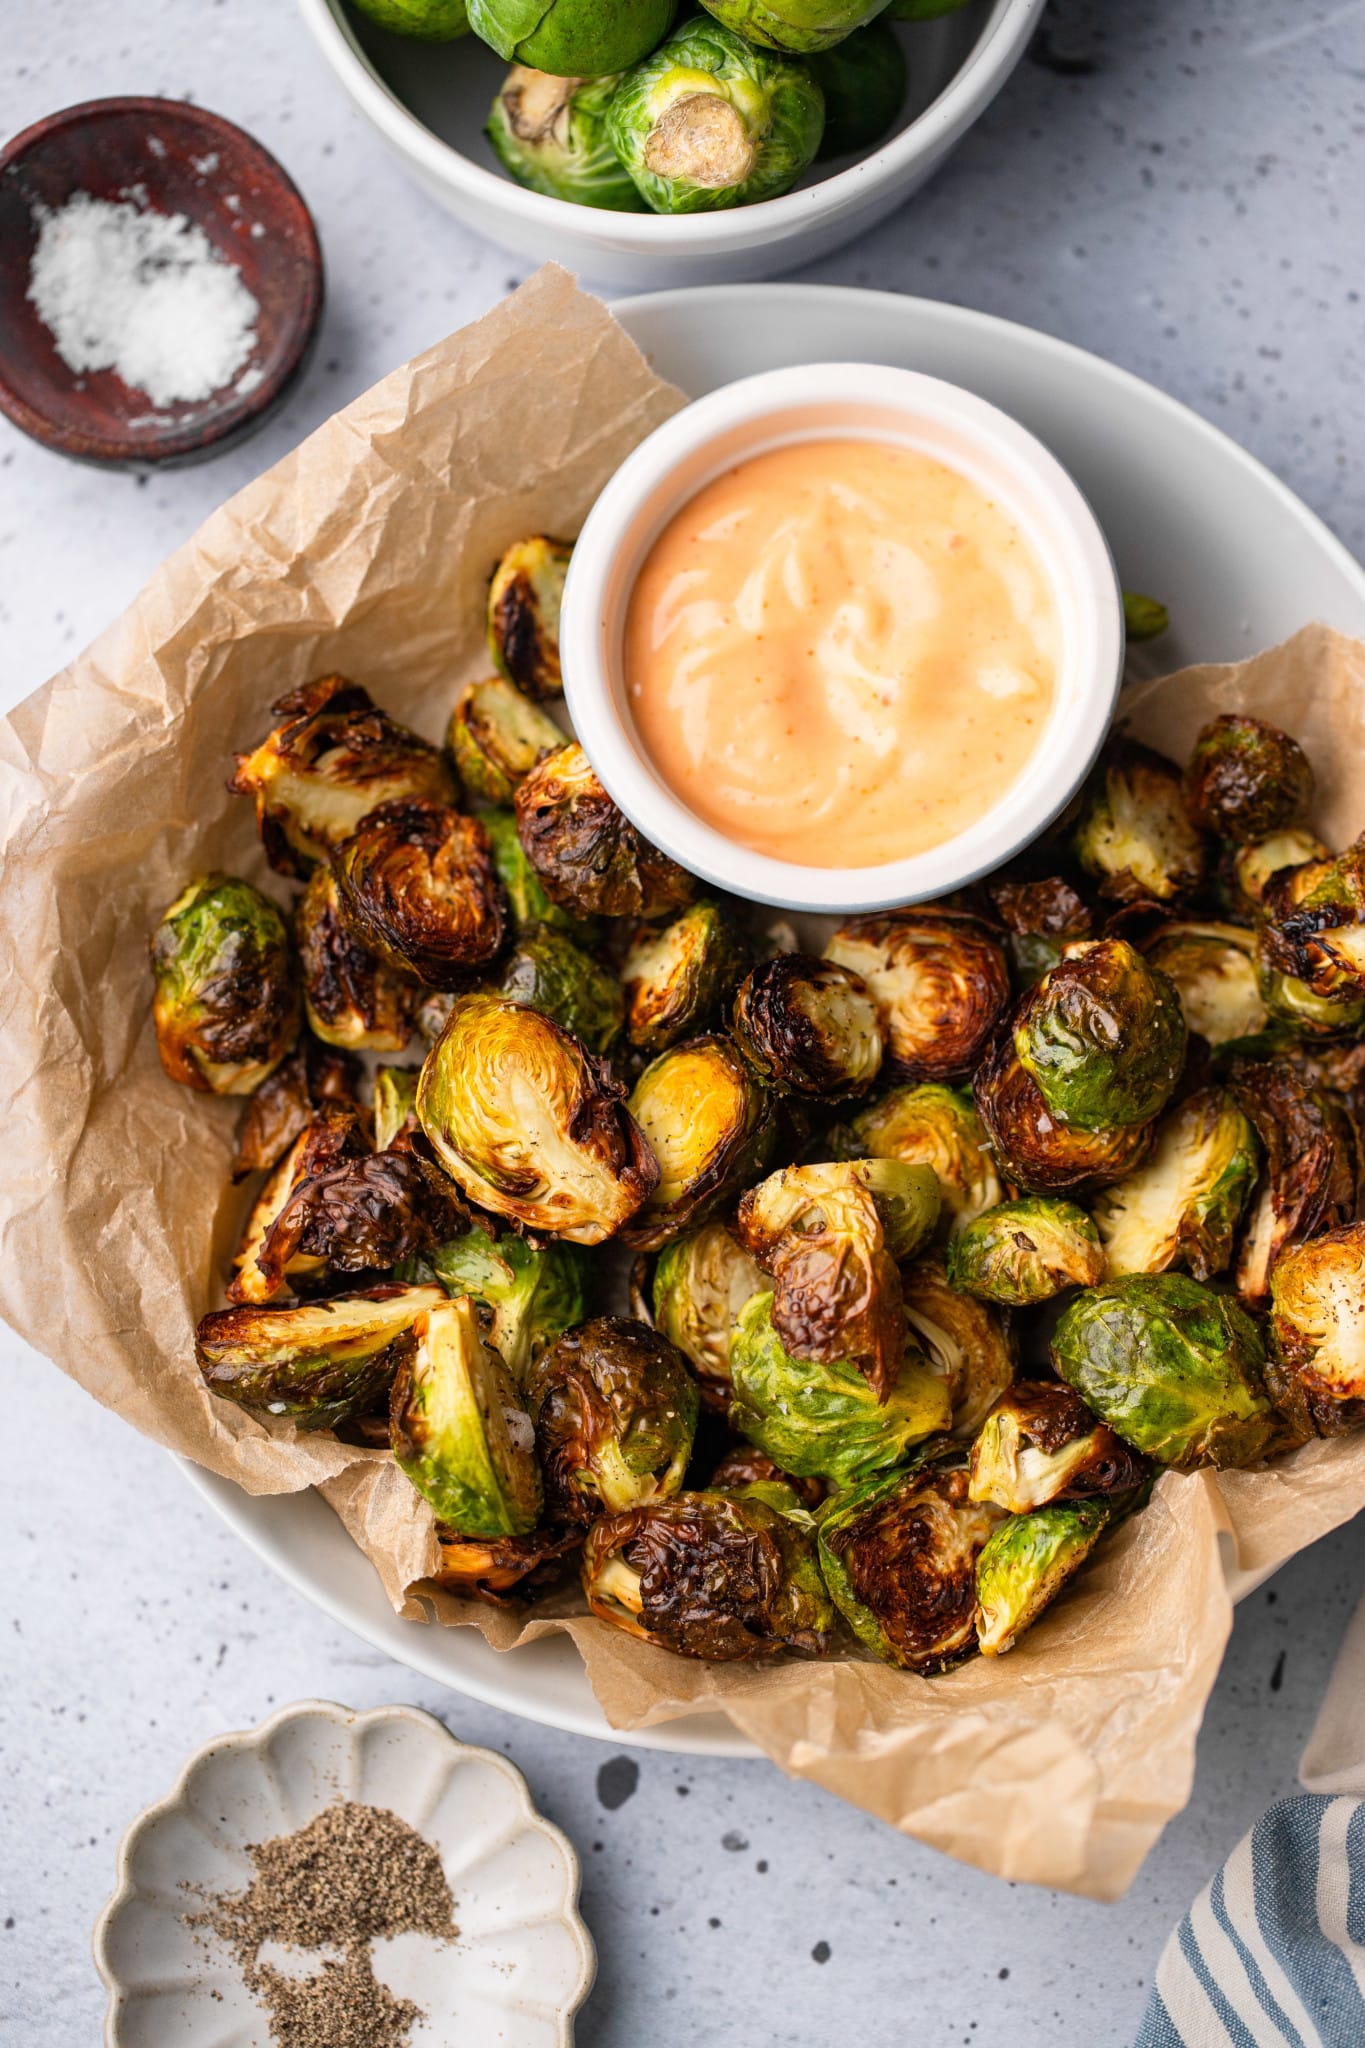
351,998
1252,866
1247,779
531,1294
1144,618
709,1124
333,756
677,977
395,1105
318,1363
1026,1251
745,1466
226,1001
1316,1370
1312,944
589,857
331,1137
1042,919
863,80
1034,1149
1103,1035
503,1569
361,1215
282,1108
524,598
711,1575
967,1343
939,981
708,121
546,970
460,1431
1025,1563
574,38
615,1412
496,736
1310,1175
931,1125
701,1283
899,1557
416,885
530,1125
526,900
808,1027
1214,969
1174,1369
550,134
802,26
434,21
1183,1206
825,1421
1040,1443
1134,832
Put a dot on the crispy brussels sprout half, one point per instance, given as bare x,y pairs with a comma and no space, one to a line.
1144,618
824,1421
330,1138
502,1570
1309,1182
546,970
531,1294
226,1000
530,1125
1316,1371
1103,1035
808,1027
615,1411
1026,1251
1040,1443
1134,833
1034,1149
524,598
573,38
708,122
332,757
589,857
1026,1562
317,1363
282,1108
899,1557
931,1125
459,1429
351,998
1253,866
1042,919
709,1124
722,1576
745,1466
863,80
1174,1369
802,26
939,981
496,735
1247,779
701,1283
1183,1206
361,1215
432,21
1214,969
1312,944
550,134
676,977
968,1344
416,885
395,1105
526,899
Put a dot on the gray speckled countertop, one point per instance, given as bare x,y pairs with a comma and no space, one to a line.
1177,188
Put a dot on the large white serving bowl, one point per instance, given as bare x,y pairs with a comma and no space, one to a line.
429,102
1191,518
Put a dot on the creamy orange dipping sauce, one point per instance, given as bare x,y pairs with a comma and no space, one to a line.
840,653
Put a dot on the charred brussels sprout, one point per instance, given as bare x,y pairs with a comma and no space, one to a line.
1134,832
1026,1251
550,134
524,598
1253,866
324,1141
1103,1035
615,1411
676,978
711,1575
496,736
318,1363
283,1106
1040,1443
701,1283
333,756
802,26
433,21
574,38
1173,1368
1312,944
808,1027
395,1105
1144,618
351,998
530,1125
503,1569
1042,919
1214,969
967,1342
361,1214
1026,1562
526,899
459,1430
549,972
416,885
1316,1372
708,121
1309,1182
1033,1148
226,1001
1182,1207
939,981
711,1128
531,1295
589,857
863,80
931,1125
1247,779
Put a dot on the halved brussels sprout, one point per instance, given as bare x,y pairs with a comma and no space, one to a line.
1183,1206
1312,944
351,998
526,899
1144,618
1042,919
709,1124
1174,1369
532,1294
968,1344
318,1363
931,1125
1253,866
524,598
226,1002
1309,1182
701,1283
503,1569
460,1431
1026,1251
615,1411
550,134
395,1104
587,854
546,970
416,885
1316,1372
1247,779
1214,969
282,1108
575,38
711,1575
333,756
677,977
530,1125
1040,1443
361,1215
1134,832
1034,1149
496,735
1103,1035
863,80
330,1137
939,981
802,26
745,1466
808,1027
434,21
1025,1563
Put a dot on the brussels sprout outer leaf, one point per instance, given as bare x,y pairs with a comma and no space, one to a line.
1144,618
1026,1562
1026,1251
459,1430
318,1363
395,1104
501,1570
526,899
496,736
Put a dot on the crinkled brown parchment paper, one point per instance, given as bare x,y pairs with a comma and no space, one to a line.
366,551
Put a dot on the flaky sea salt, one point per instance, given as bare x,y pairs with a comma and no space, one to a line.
144,294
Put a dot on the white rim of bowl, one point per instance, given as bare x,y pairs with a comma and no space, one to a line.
983,72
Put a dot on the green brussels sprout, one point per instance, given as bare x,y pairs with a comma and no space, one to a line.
530,1125
967,1342
319,1362
701,1283
725,1577
502,1569
1292,1001
802,26
1174,1369
333,756
1042,919
676,977
1103,1035
1316,1370
1144,618
1034,1149
587,854
615,1412
1183,1206
312,1077
744,1467
1247,779
550,134
1040,1443
1134,833
808,1026
1310,1178
434,21
1214,969
899,1558
1253,866
711,1127
546,970
708,122
416,886
1027,1560
350,998
863,80
526,899
573,38
1026,1251
940,983
1312,944
524,599
930,1125
825,1420
531,1294
226,1001
459,1429
496,735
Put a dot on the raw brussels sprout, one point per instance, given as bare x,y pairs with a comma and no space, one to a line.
459,1430
709,1124
708,121
825,1421
1040,1443
1042,919
745,1466
416,885
1173,1368
711,1575
1312,944
332,757
351,998
802,26
588,855
496,735
1183,1206
531,1294
1316,1371
931,1125
530,1125
1134,832
899,1557
968,1344
1026,1561
939,981
677,977
1214,969
550,134
1309,1180
574,38
863,80
226,1001
524,598
526,899
1026,1251
701,1283
808,1027
1144,618
1252,866
502,1569
546,970
1247,779
1103,1035
1034,1149
317,1363
282,1108
615,1411
434,21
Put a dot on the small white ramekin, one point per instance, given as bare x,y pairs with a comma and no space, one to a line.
818,401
